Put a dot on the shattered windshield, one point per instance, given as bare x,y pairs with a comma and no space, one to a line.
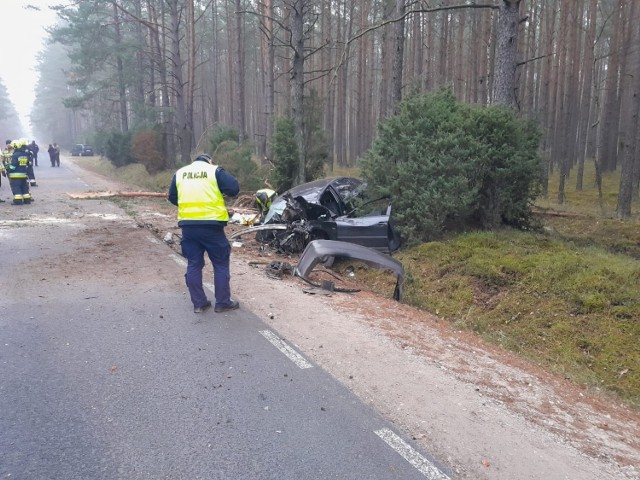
277,207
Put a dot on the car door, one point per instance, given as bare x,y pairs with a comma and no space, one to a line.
373,230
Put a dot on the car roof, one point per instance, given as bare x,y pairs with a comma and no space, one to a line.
315,188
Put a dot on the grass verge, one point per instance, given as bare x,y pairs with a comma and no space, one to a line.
574,310
567,298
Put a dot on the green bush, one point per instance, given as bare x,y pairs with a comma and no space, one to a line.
315,137
285,154
449,165
285,150
118,149
221,135
236,157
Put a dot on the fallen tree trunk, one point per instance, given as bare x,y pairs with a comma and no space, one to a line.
116,194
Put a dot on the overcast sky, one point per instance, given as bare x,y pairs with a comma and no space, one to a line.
22,33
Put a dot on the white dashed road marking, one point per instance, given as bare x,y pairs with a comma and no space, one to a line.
277,342
423,465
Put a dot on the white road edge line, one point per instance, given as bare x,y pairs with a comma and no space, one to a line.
179,260
183,263
277,342
423,465
153,239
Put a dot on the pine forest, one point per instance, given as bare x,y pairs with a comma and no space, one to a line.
183,68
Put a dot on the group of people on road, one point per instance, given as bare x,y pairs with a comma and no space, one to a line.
54,154
18,160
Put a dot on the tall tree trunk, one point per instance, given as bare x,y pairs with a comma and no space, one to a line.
631,96
122,87
560,147
575,42
361,113
160,61
504,82
587,90
190,87
385,51
240,73
328,86
231,70
268,47
608,125
550,90
184,131
397,63
531,67
484,49
474,78
297,83
142,67
215,67
429,77
338,104
443,46
461,70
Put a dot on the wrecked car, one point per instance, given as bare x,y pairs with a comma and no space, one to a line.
336,208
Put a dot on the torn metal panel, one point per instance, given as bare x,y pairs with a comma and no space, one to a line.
321,251
257,228
284,238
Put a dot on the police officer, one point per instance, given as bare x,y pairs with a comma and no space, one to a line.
197,190
18,172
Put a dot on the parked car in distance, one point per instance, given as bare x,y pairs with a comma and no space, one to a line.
81,150
339,209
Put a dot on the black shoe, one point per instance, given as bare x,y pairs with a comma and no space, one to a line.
1,201
203,308
225,308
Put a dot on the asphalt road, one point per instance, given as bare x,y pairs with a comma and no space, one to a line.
106,372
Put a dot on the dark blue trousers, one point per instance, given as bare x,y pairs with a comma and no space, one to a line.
197,239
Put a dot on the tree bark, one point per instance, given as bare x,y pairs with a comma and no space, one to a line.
397,63
587,90
504,83
297,83
268,47
631,95
608,126
240,73
122,87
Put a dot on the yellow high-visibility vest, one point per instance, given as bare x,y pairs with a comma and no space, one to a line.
199,197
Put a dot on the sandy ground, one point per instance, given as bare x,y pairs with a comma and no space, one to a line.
482,411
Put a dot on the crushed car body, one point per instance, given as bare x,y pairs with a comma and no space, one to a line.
323,251
327,209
